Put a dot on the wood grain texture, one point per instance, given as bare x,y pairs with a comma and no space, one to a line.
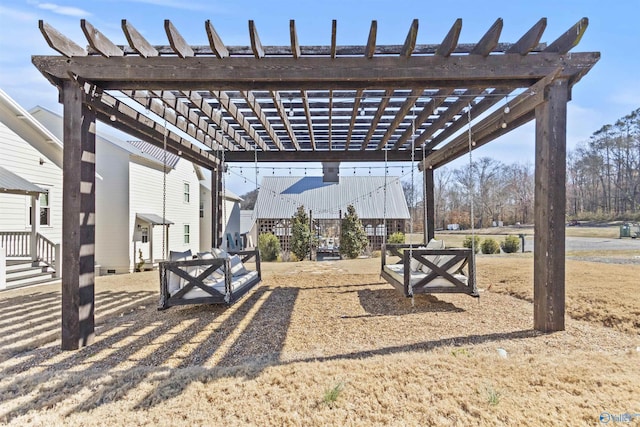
137,41
99,41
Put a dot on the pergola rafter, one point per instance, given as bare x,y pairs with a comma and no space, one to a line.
298,103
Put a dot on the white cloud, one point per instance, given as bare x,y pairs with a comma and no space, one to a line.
12,15
64,10
176,4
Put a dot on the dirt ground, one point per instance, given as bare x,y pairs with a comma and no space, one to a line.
330,344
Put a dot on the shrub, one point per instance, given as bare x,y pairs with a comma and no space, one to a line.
353,239
490,246
376,254
511,244
396,238
269,246
466,243
300,234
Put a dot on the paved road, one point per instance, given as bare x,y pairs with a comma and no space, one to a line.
577,244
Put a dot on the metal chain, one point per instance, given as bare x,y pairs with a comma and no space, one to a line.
255,207
222,194
471,193
413,157
164,195
384,209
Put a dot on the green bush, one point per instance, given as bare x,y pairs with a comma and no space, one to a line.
396,238
490,246
511,244
301,238
466,243
269,247
353,239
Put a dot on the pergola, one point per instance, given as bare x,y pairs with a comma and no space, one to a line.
300,103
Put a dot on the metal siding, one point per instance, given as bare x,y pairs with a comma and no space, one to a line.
12,183
279,197
156,153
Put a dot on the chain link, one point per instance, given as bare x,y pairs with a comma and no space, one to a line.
164,195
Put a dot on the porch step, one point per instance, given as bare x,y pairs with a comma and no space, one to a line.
15,261
32,282
24,272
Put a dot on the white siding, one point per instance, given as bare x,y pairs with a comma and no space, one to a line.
231,224
21,158
205,221
112,209
146,197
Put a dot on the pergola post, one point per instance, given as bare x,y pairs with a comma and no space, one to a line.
550,204
78,219
429,202
217,200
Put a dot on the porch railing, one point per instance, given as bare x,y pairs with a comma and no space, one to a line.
16,243
47,251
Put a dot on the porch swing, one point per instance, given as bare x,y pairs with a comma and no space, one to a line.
430,268
215,277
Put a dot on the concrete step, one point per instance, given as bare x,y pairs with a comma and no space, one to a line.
29,279
13,261
32,282
25,270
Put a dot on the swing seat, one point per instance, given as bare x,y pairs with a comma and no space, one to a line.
207,279
428,270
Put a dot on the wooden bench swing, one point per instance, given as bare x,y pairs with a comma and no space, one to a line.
207,279
432,268
216,277
423,270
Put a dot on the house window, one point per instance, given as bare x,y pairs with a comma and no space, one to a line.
187,237
45,210
187,195
144,234
201,208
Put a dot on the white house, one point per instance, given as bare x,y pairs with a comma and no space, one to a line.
130,198
130,177
231,219
30,197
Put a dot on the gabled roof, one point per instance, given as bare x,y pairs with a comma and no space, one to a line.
15,184
23,124
156,152
153,219
279,197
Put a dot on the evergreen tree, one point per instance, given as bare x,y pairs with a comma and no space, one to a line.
300,234
353,239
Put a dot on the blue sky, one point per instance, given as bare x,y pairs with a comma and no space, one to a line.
608,92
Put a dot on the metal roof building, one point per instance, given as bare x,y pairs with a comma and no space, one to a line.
280,196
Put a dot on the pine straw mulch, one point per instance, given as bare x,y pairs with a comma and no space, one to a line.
309,328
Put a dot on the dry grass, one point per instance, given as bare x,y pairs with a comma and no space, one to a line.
276,356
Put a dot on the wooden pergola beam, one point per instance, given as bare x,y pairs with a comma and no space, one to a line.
147,129
322,156
310,73
137,41
237,115
262,118
217,46
168,108
382,106
98,41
